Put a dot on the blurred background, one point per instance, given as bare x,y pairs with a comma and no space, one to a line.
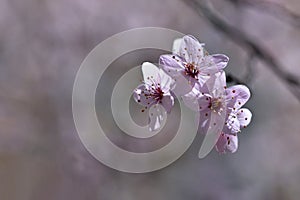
42,44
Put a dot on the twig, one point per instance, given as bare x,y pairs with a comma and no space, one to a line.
250,73
275,9
230,78
245,41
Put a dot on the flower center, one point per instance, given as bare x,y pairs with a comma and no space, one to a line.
158,94
191,70
155,92
216,104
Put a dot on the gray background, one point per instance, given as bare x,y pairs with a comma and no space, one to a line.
42,44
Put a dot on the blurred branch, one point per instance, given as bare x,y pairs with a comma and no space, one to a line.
250,73
230,78
204,8
272,8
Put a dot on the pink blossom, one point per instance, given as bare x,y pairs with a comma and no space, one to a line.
227,143
155,90
190,65
214,98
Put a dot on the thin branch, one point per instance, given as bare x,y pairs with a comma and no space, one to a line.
250,73
239,37
230,78
272,8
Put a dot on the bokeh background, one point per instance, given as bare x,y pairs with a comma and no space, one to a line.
42,44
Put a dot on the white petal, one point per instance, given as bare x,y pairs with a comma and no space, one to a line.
220,60
182,85
167,102
216,84
244,116
191,99
191,49
166,82
202,79
140,97
213,133
150,73
176,46
227,143
156,117
237,96
233,123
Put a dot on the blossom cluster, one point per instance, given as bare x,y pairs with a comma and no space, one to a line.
198,78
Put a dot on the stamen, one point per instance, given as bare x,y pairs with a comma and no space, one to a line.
191,70
153,91
216,104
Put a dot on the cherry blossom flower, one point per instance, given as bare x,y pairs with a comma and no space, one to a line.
154,90
191,73
237,118
228,140
208,99
215,101
190,65
227,143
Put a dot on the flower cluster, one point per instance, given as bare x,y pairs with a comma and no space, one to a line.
198,78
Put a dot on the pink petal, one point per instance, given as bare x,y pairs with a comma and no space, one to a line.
220,80
202,79
191,99
208,69
220,60
216,84
196,101
213,133
166,82
227,143
191,49
156,117
182,85
237,96
171,64
203,119
167,102
204,89
212,64
233,123
204,103
244,116
139,96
